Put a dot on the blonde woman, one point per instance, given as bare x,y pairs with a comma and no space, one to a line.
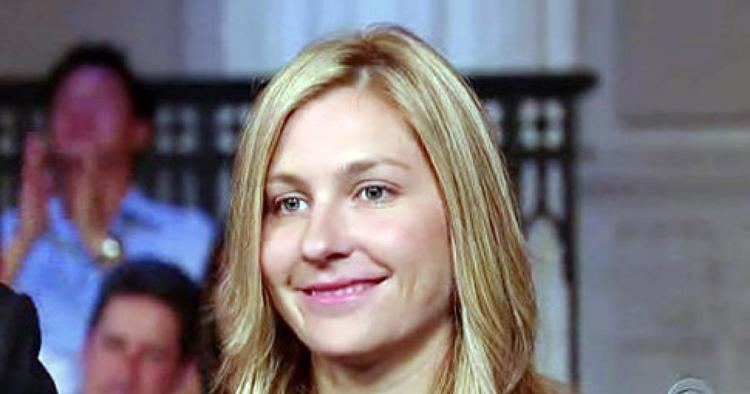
373,242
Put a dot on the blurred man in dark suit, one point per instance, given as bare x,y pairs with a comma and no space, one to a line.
20,369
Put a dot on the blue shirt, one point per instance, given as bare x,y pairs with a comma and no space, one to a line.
64,281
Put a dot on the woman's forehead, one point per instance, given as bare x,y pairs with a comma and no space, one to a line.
345,123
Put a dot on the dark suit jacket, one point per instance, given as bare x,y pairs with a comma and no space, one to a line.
20,369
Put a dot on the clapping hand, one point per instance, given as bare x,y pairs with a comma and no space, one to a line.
86,202
36,188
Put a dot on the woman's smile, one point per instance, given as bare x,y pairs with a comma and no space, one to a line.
341,296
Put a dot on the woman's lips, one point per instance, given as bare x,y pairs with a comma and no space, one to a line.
339,292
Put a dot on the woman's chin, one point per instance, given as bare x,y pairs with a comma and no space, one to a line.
339,350
346,350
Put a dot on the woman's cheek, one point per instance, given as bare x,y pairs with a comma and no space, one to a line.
277,255
411,229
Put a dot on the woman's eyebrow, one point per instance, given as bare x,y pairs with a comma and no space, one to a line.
348,170
359,166
284,178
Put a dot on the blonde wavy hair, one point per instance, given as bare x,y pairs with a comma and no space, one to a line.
495,313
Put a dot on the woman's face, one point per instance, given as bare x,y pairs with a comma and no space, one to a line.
355,248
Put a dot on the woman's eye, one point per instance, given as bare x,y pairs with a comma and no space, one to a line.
290,204
374,193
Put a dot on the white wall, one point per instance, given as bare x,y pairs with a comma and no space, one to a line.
202,22
663,238
33,33
260,36
241,37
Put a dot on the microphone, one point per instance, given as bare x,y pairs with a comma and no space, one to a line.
690,386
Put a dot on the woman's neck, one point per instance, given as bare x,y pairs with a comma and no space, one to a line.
410,367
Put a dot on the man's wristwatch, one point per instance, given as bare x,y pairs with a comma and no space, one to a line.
110,251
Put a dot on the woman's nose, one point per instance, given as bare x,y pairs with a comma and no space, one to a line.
326,236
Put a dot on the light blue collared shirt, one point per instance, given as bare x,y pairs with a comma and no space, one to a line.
64,281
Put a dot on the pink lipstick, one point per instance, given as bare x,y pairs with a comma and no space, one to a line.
340,292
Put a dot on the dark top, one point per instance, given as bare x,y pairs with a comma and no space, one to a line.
20,369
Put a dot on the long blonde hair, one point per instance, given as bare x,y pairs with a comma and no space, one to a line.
495,313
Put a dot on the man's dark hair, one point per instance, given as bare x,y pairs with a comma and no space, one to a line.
164,283
105,56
